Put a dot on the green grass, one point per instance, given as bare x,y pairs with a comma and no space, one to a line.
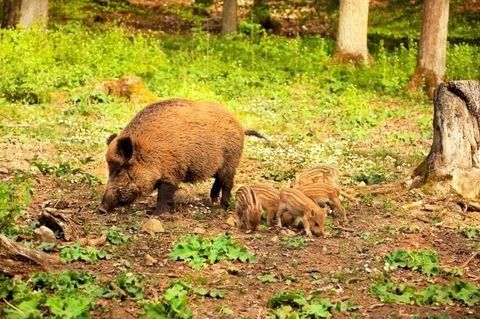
272,83
15,195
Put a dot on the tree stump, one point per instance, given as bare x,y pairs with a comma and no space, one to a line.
454,158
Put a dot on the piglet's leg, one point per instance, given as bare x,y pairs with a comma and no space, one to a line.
306,225
166,191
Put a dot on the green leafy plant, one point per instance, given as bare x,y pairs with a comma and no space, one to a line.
297,242
65,171
426,261
68,294
471,233
116,237
212,293
198,251
370,178
14,196
432,295
77,252
294,304
131,284
173,304
268,278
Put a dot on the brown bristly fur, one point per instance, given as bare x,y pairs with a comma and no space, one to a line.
170,142
248,208
324,194
268,197
319,174
296,203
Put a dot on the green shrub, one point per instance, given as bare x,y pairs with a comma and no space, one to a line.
14,196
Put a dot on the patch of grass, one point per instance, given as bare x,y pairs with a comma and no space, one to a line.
14,196
198,250
371,178
471,233
76,252
294,304
65,171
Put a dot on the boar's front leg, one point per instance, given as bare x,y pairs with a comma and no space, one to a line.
165,194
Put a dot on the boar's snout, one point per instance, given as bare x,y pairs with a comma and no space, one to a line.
108,202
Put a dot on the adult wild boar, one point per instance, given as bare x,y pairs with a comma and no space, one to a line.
170,142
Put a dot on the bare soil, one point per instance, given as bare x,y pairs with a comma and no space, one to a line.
343,265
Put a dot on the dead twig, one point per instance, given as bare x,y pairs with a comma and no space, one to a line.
465,264
16,309
343,228
377,305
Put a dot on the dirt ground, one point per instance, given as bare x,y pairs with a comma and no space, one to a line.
343,265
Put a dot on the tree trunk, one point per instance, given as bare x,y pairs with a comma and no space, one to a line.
11,13
229,16
454,158
431,62
24,13
351,46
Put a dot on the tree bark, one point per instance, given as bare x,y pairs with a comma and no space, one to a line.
11,251
24,13
11,13
431,62
229,16
351,45
454,157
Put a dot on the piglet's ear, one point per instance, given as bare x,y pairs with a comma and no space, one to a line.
111,138
125,148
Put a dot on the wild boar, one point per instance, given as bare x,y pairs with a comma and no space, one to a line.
322,173
324,194
297,204
268,197
169,142
248,209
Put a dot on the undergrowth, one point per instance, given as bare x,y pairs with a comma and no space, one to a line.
15,195
198,251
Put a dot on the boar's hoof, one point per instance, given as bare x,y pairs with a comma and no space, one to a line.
160,209
102,210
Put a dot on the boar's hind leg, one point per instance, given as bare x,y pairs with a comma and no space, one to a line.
215,191
166,191
227,185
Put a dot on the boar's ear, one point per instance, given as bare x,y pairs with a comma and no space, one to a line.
111,138
125,147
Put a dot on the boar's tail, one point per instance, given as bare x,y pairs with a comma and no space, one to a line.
255,133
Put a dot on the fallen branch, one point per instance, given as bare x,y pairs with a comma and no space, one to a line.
468,206
13,249
57,221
